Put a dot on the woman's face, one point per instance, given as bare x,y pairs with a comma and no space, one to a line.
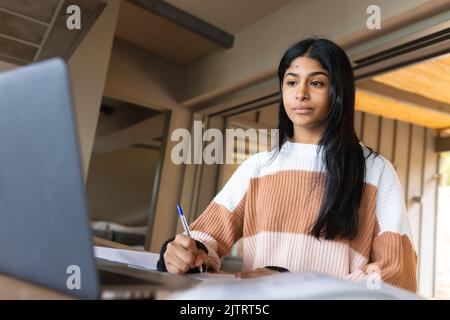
305,92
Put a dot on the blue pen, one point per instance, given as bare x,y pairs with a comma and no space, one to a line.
185,226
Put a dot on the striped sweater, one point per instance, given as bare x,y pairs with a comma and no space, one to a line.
272,204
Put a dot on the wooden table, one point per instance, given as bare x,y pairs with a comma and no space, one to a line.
16,289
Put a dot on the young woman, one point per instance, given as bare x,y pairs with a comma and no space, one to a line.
321,201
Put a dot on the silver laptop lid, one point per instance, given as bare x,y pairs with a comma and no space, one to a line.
44,226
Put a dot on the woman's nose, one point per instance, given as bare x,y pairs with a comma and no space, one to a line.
302,92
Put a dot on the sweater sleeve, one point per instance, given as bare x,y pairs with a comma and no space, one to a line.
392,257
221,223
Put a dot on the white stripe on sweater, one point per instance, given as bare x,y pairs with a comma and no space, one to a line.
390,207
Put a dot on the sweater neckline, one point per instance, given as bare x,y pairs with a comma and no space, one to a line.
301,148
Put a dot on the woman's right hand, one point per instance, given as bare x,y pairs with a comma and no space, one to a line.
182,254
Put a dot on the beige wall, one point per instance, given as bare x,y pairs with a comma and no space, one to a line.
121,175
119,185
165,220
138,76
88,67
259,47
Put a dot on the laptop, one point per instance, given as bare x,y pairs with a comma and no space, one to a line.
45,235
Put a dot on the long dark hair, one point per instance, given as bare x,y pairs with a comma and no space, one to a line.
343,156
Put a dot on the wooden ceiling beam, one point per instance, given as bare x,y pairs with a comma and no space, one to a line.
188,21
417,100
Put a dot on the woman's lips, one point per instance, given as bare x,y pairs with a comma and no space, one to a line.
302,110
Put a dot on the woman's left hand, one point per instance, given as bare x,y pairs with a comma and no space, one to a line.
256,273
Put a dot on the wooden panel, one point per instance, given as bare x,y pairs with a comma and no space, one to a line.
20,28
386,142
358,123
112,244
142,132
414,189
395,96
428,219
191,181
442,144
187,193
13,60
269,116
143,28
210,172
249,115
86,4
187,21
16,289
401,153
430,78
17,50
370,131
41,10
62,42
393,109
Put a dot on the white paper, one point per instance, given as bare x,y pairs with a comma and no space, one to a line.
141,259
289,285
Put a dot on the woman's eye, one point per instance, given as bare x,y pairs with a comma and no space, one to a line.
317,83
291,83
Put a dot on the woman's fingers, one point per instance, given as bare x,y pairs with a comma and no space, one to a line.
200,259
187,243
186,256
171,258
173,269
182,254
179,256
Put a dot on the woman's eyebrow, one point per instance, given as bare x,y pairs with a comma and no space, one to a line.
314,73
317,72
